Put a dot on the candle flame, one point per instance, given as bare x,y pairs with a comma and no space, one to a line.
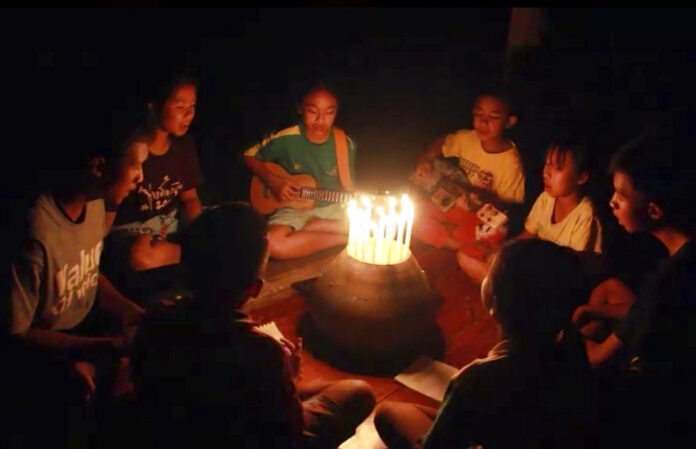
384,239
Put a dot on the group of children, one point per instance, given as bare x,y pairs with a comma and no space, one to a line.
561,312
562,213
195,371
82,354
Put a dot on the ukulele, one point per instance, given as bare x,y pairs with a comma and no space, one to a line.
265,202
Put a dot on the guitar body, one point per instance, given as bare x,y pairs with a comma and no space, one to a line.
265,202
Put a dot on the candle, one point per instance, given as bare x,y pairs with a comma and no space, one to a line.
409,227
383,238
402,223
380,236
391,228
352,223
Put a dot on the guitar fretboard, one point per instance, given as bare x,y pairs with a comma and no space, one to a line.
324,195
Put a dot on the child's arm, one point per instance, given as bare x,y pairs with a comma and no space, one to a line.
284,189
147,253
425,161
611,299
598,353
192,204
525,234
110,300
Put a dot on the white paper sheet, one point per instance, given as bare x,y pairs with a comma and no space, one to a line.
428,377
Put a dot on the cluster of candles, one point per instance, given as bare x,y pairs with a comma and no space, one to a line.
377,237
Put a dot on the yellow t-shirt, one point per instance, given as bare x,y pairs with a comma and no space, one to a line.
579,230
502,173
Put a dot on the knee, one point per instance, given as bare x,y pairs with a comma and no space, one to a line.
385,415
140,258
360,397
278,247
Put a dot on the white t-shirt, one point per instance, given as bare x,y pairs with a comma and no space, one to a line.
579,230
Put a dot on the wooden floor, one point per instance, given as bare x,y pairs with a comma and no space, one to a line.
468,331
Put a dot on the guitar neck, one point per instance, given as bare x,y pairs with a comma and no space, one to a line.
333,196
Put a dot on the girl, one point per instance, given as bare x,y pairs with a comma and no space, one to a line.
562,213
144,234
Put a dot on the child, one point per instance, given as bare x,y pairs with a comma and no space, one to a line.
146,225
562,213
653,191
531,390
309,148
61,350
489,160
206,377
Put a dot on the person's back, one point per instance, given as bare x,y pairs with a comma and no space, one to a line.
204,375
209,378
512,399
533,390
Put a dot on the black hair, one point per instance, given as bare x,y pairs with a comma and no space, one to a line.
582,157
162,90
225,246
503,92
536,286
315,86
661,175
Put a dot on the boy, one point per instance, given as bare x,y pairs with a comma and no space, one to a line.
653,192
310,148
532,389
55,288
490,161
206,377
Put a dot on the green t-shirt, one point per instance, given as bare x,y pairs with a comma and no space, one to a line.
291,149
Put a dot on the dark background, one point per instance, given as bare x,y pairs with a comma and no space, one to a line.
404,77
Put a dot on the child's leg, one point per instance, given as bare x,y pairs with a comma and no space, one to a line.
403,425
475,267
332,411
428,225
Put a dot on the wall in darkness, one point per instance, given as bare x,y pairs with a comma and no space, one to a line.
405,76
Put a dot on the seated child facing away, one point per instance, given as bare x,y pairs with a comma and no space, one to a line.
206,378
533,389
490,162
562,213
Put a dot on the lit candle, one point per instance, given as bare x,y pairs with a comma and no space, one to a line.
373,240
402,222
379,252
409,227
391,228
352,222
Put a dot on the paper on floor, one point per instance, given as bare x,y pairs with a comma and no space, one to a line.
428,377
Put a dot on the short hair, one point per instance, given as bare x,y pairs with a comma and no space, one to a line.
317,86
502,92
536,286
660,175
224,246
